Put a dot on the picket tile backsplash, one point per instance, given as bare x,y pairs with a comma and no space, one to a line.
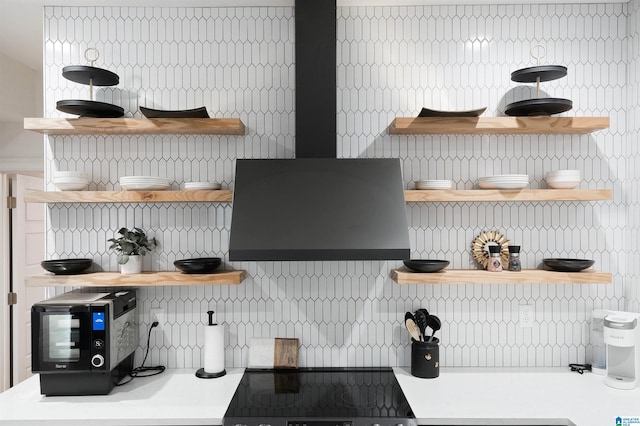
391,61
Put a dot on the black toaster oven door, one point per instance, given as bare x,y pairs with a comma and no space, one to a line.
61,338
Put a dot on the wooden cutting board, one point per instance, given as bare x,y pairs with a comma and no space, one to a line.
285,353
273,353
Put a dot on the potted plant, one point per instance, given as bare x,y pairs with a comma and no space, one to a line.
130,247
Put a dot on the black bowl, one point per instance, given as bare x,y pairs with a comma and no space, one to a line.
182,113
66,266
200,265
567,265
425,265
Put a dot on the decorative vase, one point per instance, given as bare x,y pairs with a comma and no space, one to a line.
133,265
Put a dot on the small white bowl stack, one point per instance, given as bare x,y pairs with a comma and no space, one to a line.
503,182
69,180
193,186
563,179
143,183
434,184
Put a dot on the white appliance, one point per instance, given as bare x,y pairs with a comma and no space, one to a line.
622,337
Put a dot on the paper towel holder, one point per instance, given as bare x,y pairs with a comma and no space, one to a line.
203,374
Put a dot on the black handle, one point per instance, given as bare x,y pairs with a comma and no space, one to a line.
210,317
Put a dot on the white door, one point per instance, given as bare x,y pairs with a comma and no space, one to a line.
27,241
5,277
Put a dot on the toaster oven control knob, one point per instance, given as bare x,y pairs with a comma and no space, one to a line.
97,361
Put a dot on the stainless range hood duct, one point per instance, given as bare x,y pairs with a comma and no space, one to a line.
318,207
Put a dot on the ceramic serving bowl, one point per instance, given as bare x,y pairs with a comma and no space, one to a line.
426,265
199,265
567,265
66,266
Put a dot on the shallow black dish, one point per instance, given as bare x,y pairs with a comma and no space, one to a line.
199,265
544,72
89,108
185,113
426,265
538,107
426,112
567,265
85,74
66,266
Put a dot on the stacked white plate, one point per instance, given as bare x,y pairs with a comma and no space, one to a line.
504,182
69,180
434,184
143,183
201,185
563,179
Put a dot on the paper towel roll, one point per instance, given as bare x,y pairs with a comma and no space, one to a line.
214,348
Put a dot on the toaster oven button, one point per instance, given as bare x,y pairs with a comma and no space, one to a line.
98,343
97,361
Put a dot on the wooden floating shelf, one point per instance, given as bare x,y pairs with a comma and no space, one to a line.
483,195
195,196
226,196
145,279
497,125
135,126
479,276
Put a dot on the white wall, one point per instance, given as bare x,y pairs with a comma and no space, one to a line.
20,96
392,61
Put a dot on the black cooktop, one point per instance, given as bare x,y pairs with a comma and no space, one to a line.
320,396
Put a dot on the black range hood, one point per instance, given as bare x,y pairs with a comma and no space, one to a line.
318,207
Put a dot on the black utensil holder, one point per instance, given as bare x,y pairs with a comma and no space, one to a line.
425,358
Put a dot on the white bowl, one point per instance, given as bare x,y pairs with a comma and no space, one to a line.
564,173
71,186
202,185
562,183
69,180
69,173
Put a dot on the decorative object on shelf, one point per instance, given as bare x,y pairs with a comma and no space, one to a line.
514,259
512,181
434,184
199,265
200,112
563,179
66,266
567,265
425,265
69,180
92,76
143,183
426,112
537,74
213,350
479,247
130,247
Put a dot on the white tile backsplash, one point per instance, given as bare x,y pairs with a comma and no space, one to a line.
391,61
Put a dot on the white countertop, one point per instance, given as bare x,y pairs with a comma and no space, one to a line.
460,396
176,397
516,396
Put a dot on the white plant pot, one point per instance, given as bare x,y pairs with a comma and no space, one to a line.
133,266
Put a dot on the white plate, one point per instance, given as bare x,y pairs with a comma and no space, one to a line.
506,176
143,187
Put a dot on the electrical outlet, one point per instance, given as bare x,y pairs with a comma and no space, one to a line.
526,316
157,314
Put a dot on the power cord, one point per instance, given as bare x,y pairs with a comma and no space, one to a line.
139,371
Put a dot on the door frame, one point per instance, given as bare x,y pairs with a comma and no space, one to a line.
5,280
